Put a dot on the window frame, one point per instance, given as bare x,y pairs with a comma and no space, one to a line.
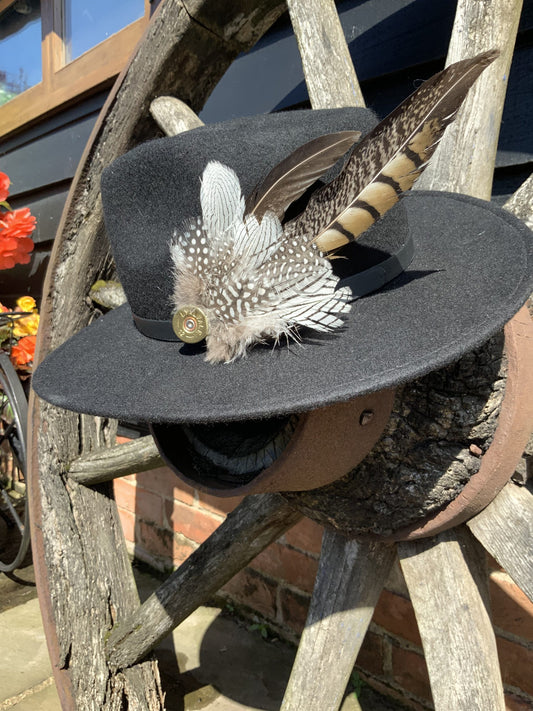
62,83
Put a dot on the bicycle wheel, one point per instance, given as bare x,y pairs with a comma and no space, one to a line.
14,523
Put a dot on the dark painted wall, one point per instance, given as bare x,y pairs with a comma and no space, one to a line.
395,44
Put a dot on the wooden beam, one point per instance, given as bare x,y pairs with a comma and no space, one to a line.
505,528
329,74
521,202
464,161
349,582
173,116
447,583
101,465
250,528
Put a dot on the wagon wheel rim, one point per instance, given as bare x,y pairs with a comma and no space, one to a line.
47,339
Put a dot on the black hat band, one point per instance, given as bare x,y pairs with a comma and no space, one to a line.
361,284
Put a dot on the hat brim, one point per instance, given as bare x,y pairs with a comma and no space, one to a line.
471,272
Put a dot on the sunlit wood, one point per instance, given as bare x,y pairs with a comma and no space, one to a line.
447,584
505,528
349,582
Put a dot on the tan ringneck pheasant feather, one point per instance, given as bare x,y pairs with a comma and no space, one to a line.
247,278
389,159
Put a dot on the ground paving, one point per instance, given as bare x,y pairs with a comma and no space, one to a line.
212,661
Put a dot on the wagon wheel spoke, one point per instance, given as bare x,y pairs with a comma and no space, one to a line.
447,583
258,521
350,578
505,529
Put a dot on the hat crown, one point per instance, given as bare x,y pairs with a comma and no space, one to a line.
154,190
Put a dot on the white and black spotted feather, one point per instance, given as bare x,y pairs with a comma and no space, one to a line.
250,281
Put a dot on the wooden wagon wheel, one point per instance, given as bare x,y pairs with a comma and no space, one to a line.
99,637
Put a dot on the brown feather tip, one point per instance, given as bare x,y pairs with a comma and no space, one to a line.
289,180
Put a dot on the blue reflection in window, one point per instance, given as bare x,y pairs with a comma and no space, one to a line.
20,48
89,23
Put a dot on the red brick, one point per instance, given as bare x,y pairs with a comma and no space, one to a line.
127,519
161,543
511,609
391,693
514,703
150,507
410,672
193,523
397,616
217,504
164,482
516,663
370,657
125,494
294,608
155,540
306,535
253,590
287,564
180,552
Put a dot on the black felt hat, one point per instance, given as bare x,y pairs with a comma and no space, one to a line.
470,271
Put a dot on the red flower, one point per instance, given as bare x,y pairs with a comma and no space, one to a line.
4,187
15,243
23,352
14,251
18,223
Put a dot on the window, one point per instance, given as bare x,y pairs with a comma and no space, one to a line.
52,51
20,49
86,24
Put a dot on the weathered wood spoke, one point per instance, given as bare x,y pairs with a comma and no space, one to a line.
329,73
447,582
505,528
464,160
350,578
252,526
139,455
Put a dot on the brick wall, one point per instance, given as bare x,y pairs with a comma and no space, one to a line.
164,521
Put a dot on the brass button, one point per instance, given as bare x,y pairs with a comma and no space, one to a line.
190,324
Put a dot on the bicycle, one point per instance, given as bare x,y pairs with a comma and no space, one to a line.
15,539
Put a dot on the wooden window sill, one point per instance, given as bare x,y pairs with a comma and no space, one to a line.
87,73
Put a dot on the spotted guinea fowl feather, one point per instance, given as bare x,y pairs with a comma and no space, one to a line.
288,180
251,282
389,159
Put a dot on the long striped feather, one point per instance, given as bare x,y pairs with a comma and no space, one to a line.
389,159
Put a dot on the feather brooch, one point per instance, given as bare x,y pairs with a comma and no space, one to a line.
241,276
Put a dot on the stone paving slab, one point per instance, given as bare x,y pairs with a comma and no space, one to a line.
24,661
211,662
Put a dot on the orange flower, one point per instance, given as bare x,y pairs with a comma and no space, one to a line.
26,326
23,352
4,186
14,251
18,223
